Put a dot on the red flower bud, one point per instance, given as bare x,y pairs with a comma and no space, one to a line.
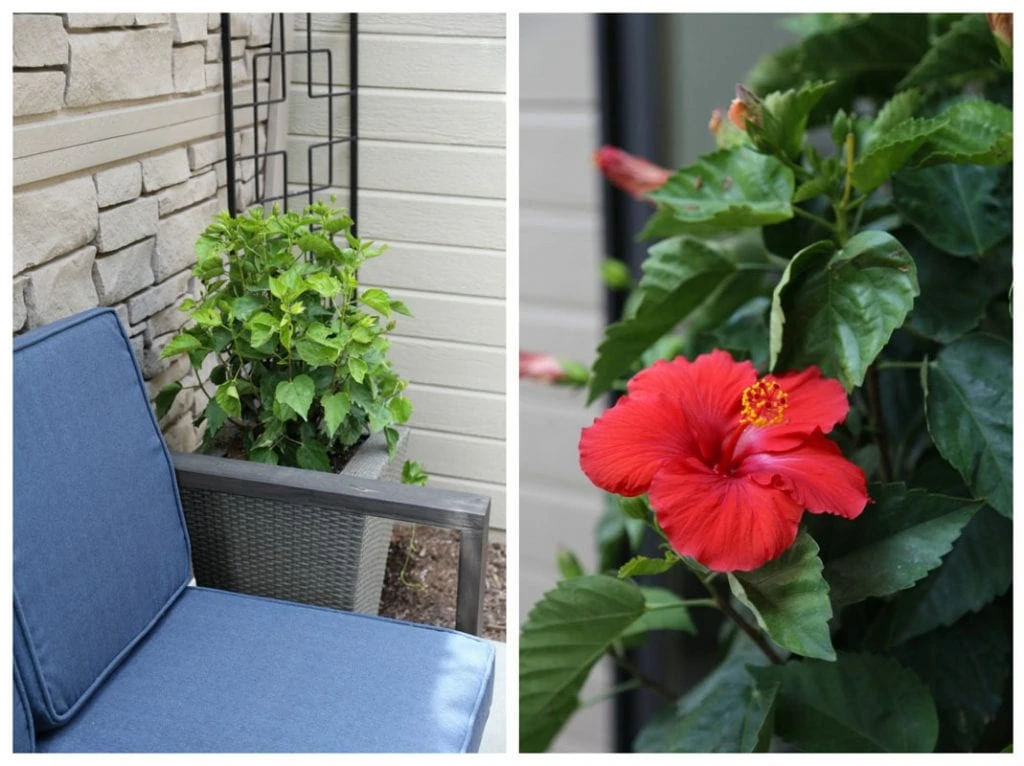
634,175
738,114
1001,25
544,368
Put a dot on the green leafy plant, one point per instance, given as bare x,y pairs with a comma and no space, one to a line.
855,221
291,355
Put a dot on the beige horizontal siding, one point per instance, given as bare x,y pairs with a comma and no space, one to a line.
446,363
439,268
433,24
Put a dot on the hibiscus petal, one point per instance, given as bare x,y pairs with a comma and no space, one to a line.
626,446
814,402
816,475
728,523
709,389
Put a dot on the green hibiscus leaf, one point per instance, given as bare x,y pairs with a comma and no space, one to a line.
966,48
319,245
264,455
263,327
565,634
642,565
789,598
358,368
837,309
377,300
336,408
166,398
977,570
183,343
399,308
228,399
215,417
890,150
961,209
896,110
681,275
861,703
664,611
245,306
726,190
973,131
296,394
969,406
312,456
785,118
741,728
401,409
324,285
316,353
954,291
896,541
965,667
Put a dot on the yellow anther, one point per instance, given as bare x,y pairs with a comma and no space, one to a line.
764,404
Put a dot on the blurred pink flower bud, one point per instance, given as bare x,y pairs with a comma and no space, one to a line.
745,107
738,114
634,175
544,368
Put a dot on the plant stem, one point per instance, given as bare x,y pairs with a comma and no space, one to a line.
754,633
900,365
651,683
878,425
688,602
812,217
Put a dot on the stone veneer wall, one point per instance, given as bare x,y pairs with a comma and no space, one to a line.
121,233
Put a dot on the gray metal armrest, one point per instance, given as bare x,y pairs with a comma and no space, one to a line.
468,513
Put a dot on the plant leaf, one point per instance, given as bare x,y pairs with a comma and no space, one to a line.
565,634
377,300
728,189
182,343
166,398
664,611
973,131
786,116
336,408
229,401
733,718
401,409
968,404
976,571
859,703
296,394
895,542
961,209
890,150
966,48
680,275
838,311
954,291
312,456
358,368
965,667
642,565
324,285
789,598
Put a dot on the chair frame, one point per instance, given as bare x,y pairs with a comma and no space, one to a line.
327,492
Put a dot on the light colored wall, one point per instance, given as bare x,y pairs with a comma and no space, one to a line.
118,165
432,186
561,312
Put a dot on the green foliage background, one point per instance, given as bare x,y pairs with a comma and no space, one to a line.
861,223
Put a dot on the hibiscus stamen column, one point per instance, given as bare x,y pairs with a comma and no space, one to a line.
764,404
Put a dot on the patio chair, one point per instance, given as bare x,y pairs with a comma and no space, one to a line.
114,651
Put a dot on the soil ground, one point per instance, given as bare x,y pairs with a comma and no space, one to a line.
426,593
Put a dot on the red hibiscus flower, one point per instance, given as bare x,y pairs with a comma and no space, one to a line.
634,175
729,462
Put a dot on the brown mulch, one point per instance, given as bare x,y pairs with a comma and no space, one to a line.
431,580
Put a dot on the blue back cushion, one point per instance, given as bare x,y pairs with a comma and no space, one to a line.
100,547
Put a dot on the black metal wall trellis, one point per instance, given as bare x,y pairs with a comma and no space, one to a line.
278,55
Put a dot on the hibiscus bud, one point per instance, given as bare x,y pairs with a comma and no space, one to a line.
544,368
1001,25
746,106
634,175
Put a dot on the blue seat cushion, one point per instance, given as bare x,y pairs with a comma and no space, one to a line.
100,547
225,672
24,732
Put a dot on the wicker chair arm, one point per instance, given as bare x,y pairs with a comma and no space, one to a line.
468,513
